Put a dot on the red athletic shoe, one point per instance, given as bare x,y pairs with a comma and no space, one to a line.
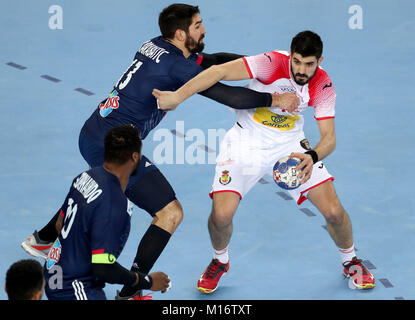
208,281
361,278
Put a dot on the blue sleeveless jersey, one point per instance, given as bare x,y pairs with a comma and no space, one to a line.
157,64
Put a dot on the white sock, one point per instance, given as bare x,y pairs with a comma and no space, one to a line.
221,255
347,254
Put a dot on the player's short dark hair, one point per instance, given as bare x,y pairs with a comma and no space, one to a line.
176,16
307,43
23,279
121,142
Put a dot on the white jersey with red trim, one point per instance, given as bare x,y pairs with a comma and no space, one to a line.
270,72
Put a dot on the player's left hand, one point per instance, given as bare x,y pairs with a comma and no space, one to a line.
161,281
305,167
166,100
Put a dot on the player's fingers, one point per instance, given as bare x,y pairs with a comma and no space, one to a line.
296,155
156,93
304,180
291,106
303,164
167,285
305,176
305,168
300,156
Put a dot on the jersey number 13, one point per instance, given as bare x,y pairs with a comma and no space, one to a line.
128,74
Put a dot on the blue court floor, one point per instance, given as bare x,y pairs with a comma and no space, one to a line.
53,73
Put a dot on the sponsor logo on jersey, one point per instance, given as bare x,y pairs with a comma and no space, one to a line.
54,254
110,104
225,178
328,85
283,88
147,164
273,120
270,60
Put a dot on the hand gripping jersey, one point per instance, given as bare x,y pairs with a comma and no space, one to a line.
270,73
96,227
157,64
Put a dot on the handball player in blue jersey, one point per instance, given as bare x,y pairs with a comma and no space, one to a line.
95,223
165,62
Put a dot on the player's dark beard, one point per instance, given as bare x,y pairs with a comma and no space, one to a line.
192,45
302,82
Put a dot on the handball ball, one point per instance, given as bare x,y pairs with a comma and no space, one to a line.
285,175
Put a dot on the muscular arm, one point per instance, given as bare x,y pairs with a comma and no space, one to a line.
233,70
234,97
324,147
327,142
237,97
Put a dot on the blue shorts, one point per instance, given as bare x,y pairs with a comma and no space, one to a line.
147,188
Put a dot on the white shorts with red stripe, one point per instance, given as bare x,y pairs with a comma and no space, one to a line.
242,162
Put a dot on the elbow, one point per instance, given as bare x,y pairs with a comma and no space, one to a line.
217,72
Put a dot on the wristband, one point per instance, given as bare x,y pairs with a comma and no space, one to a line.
313,155
144,281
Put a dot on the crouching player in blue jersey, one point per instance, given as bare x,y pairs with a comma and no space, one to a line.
95,224
166,62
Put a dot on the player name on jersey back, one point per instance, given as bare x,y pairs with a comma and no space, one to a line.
150,50
88,187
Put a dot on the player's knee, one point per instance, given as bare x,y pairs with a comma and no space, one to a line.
176,213
171,215
222,217
335,214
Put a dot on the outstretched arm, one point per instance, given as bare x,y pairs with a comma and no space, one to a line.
210,59
233,70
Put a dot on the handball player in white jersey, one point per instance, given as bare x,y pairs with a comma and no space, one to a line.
261,136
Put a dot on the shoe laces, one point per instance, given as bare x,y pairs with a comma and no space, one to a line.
213,269
146,297
357,262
